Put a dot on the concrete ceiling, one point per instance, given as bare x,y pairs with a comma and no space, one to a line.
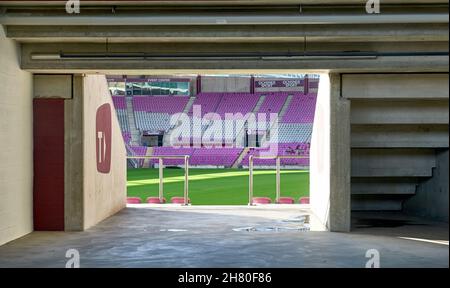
43,28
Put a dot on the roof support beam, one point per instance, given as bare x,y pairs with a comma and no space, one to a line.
222,19
238,33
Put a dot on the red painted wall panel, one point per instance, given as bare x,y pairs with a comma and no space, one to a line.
48,184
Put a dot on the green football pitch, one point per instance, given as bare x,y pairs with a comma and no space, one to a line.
217,186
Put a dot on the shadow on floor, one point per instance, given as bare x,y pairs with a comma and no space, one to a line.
397,224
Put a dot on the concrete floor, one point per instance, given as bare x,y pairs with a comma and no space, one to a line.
203,236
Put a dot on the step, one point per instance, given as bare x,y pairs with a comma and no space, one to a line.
400,136
147,162
240,134
392,162
241,157
383,186
189,104
398,86
399,112
259,104
135,134
285,107
376,204
281,114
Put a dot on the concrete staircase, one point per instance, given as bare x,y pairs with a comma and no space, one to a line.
241,157
131,163
285,107
240,139
135,134
147,162
189,104
383,178
394,145
259,104
281,114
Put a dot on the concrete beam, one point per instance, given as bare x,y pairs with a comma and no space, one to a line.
393,162
380,186
400,136
73,155
395,86
237,33
388,64
400,112
376,204
61,18
52,86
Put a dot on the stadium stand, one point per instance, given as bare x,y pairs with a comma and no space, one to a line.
172,151
215,156
207,101
301,109
152,114
282,149
273,103
121,110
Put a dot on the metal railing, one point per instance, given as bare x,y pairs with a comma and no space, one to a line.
186,173
278,173
161,174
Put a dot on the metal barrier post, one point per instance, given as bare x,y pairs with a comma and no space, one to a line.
250,181
161,176
278,174
278,164
186,180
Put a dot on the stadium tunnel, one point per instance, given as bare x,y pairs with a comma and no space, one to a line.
380,139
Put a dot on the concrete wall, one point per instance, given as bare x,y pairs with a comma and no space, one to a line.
53,86
431,199
16,144
104,194
225,84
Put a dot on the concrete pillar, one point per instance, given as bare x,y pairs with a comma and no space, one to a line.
73,190
340,160
330,157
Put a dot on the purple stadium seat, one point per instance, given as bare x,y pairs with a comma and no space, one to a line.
155,200
286,200
301,109
261,200
134,200
297,120
304,200
179,200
